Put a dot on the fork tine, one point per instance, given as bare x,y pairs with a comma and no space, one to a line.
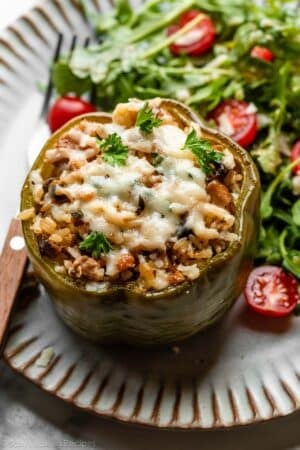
93,95
93,90
73,44
49,89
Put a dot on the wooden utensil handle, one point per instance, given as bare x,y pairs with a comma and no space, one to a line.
12,265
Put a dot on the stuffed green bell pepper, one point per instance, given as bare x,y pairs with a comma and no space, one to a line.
141,224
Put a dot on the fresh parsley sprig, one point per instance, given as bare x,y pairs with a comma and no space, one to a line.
95,244
146,120
114,151
204,152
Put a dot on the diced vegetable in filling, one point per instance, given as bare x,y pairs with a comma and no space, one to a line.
140,199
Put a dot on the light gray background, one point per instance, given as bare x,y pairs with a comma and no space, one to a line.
32,419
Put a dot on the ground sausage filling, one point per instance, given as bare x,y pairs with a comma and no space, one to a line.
142,198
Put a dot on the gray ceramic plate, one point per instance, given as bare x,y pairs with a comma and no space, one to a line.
246,369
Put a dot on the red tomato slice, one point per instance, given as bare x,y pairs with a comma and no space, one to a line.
197,41
262,53
234,119
295,154
65,108
271,291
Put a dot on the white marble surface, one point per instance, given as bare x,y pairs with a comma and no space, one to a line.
31,419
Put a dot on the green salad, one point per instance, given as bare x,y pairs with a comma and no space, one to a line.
235,63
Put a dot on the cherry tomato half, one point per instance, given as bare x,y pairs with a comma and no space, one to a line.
262,53
295,154
236,119
271,291
197,41
65,108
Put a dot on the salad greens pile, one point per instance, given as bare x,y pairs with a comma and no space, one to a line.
132,59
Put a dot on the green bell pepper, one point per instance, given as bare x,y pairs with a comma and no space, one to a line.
121,313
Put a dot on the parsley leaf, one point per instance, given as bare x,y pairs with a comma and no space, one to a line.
204,152
95,244
114,151
146,120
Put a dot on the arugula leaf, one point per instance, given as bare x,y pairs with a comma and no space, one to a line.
283,216
292,262
296,212
269,245
209,93
95,244
291,257
268,153
152,22
266,208
107,21
65,81
204,152
146,120
124,11
114,151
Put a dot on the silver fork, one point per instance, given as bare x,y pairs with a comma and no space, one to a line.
42,131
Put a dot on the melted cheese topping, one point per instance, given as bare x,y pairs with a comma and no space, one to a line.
140,206
115,191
